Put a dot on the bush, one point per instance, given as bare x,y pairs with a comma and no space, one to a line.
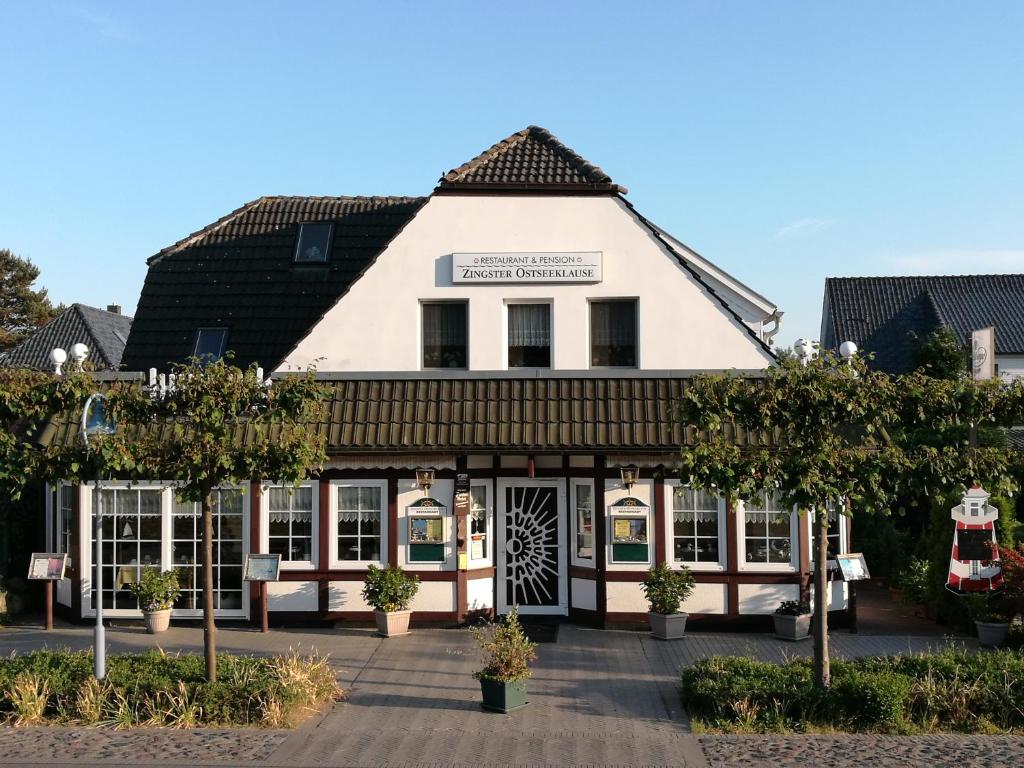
154,590
505,649
154,688
953,690
915,581
389,589
666,589
793,608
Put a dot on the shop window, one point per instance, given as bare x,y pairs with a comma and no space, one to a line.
228,551
132,522
445,334
836,532
65,517
290,523
209,346
425,519
630,523
360,512
583,506
767,531
613,334
479,517
529,335
314,243
696,524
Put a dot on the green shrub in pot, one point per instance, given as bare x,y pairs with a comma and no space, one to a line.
666,590
389,591
156,592
506,653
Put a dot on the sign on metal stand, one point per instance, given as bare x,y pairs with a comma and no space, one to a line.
48,567
263,568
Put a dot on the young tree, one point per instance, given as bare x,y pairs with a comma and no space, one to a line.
216,426
22,308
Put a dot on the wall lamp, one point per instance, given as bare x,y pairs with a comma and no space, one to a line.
425,479
629,475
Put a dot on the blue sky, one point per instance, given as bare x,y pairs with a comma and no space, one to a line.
785,141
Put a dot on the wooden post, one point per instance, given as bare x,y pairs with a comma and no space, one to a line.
264,610
851,606
49,605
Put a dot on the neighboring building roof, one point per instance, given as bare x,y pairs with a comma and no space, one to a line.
881,313
239,273
105,333
530,160
486,414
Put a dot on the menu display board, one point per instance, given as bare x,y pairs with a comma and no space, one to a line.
262,567
853,567
47,566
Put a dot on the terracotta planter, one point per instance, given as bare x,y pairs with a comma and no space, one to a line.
157,621
503,697
991,634
792,627
668,626
392,623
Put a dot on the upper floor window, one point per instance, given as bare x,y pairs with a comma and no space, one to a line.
314,242
529,335
613,334
209,345
445,334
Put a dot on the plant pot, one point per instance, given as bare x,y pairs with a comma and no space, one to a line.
668,626
157,621
992,634
792,627
392,623
499,696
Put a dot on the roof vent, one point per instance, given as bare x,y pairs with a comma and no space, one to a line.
115,308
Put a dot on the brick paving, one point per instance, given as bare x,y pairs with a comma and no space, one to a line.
597,698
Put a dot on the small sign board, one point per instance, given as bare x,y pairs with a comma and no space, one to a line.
262,567
462,501
47,566
852,566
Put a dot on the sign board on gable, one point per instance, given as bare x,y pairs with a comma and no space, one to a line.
572,267
983,353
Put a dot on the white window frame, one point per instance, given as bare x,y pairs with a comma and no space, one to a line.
488,559
794,543
844,543
585,562
670,532
60,544
591,300
349,565
549,302
421,362
292,565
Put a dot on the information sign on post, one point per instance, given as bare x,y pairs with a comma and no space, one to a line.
48,567
262,568
853,567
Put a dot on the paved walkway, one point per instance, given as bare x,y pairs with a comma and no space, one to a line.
597,698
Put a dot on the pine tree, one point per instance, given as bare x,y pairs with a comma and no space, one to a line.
22,308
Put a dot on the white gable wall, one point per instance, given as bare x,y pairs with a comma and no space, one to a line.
376,326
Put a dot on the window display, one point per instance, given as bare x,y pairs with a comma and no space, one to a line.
426,531
630,519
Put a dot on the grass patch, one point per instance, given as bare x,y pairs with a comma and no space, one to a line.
159,689
949,691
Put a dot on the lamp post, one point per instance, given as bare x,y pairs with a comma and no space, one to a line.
96,422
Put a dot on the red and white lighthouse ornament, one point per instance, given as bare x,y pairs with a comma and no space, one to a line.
974,564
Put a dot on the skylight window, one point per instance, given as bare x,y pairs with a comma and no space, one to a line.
314,243
210,343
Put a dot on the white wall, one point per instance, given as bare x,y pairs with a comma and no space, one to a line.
375,327
292,596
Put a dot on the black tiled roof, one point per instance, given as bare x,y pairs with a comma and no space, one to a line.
879,313
239,273
552,414
105,333
530,160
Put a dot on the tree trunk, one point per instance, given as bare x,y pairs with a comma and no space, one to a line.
822,671
209,628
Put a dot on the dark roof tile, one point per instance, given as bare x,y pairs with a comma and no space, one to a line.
105,333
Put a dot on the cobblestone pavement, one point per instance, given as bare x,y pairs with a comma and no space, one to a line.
596,698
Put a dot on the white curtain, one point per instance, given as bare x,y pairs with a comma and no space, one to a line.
529,325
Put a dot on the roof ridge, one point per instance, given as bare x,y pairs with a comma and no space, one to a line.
96,346
926,277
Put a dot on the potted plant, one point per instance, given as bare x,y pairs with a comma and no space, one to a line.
156,593
506,654
913,585
389,591
990,621
792,620
665,591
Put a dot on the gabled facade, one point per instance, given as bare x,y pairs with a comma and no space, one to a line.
523,332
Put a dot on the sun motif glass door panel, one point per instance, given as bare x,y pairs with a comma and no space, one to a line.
531,547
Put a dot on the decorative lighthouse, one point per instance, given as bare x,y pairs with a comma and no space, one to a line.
974,563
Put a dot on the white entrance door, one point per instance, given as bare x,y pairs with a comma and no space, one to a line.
531,549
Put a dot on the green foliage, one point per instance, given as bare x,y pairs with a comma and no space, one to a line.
23,310
885,546
793,608
953,690
505,650
154,688
154,590
941,354
916,581
390,588
666,589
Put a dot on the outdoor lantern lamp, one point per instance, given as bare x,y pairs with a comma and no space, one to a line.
629,475
847,350
96,421
58,357
78,353
425,479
